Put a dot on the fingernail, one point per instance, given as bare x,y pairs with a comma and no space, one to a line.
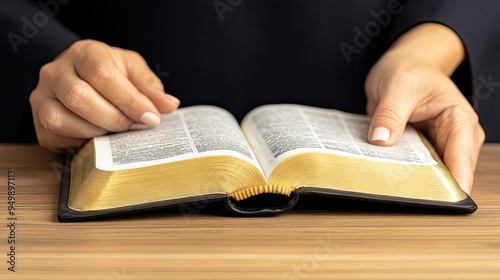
150,119
138,126
381,134
173,98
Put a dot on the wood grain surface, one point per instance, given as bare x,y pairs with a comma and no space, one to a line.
319,239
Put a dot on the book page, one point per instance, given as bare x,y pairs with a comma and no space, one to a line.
278,131
186,133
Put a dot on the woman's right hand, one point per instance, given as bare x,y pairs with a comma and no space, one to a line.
91,89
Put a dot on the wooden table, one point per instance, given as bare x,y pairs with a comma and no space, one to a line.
346,240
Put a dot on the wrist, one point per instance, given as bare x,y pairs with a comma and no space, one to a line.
430,44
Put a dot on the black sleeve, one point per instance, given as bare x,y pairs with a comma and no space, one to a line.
477,23
30,37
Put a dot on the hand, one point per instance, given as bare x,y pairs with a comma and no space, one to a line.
91,89
410,83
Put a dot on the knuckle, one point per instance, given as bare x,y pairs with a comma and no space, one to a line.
52,121
390,112
475,119
154,81
451,120
34,97
116,124
464,115
83,46
482,134
79,45
101,75
75,95
128,104
46,72
135,55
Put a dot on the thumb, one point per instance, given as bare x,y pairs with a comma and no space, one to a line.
389,120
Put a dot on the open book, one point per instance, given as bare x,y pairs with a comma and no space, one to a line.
280,152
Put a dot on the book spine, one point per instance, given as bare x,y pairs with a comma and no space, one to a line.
256,190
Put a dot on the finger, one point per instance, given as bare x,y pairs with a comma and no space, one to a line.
82,99
459,136
53,142
149,84
100,69
58,120
389,119
390,100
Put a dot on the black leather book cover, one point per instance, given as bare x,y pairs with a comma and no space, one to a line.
262,205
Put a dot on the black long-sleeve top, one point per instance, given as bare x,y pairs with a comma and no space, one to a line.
242,53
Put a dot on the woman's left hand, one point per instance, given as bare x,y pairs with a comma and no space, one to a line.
410,83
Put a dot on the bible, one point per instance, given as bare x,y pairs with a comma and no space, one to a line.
261,167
